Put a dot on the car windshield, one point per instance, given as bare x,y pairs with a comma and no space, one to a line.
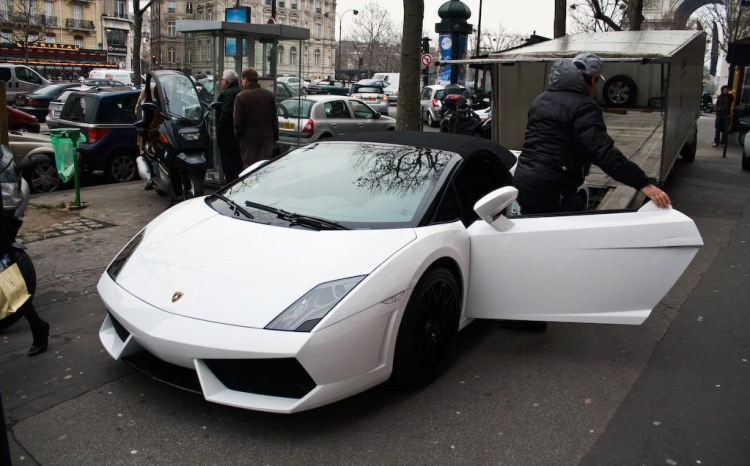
50,89
371,90
298,108
323,83
359,185
180,97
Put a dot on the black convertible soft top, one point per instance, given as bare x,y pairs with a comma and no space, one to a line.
465,146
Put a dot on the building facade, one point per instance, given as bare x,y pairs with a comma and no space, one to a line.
196,54
116,25
64,37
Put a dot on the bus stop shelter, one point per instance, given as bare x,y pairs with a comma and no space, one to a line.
216,46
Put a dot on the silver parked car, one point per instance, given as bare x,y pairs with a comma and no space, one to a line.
375,97
312,118
431,100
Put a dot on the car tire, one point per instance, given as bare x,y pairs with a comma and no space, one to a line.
688,150
620,91
121,167
42,178
428,329
745,161
431,121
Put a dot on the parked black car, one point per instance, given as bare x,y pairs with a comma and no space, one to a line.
106,120
368,83
37,102
328,88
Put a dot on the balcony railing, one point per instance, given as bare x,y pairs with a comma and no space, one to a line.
121,15
83,24
21,18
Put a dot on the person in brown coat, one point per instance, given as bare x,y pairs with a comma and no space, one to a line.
256,124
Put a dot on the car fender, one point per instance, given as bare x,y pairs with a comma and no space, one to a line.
402,270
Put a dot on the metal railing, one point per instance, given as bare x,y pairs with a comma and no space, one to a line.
22,18
79,24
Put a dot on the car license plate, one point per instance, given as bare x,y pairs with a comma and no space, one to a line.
20,101
287,125
370,100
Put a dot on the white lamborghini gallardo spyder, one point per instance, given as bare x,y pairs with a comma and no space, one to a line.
346,263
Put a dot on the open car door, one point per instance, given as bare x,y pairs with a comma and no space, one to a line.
610,268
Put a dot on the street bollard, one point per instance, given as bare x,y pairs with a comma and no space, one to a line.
75,137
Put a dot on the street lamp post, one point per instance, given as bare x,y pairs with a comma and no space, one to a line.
338,58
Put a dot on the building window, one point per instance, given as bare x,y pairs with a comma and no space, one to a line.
78,41
293,56
200,51
171,29
77,12
49,9
209,14
294,4
6,37
318,29
49,38
170,54
119,8
318,6
208,50
268,2
171,6
317,57
281,3
295,22
4,10
280,53
281,19
189,8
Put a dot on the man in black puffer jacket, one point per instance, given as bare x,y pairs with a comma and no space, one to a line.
565,134
229,148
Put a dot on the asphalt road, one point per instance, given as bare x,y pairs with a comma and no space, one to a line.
673,390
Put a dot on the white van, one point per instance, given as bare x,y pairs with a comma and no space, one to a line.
124,76
392,79
19,79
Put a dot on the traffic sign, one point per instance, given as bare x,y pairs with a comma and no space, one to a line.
271,21
426,59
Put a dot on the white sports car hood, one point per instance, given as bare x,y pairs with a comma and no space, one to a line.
243,273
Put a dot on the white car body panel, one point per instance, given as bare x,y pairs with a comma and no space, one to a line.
226,288
581,268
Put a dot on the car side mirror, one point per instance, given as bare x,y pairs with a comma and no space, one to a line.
377,115
282,111
253,167
490,208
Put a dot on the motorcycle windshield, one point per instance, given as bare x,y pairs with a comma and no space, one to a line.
180,98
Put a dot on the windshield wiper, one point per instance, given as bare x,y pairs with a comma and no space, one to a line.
233,204
297,219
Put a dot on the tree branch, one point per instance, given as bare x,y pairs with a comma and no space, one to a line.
598,15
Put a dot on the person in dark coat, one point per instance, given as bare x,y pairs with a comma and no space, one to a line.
565,134
256,124
723,109
229,149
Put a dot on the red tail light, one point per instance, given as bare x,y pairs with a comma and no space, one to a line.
309,127
32,102
96,134
434,103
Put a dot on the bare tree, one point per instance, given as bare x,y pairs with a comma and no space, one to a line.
598,15
561,17
373,29
28,24
726,17
635,15
408,101
496,40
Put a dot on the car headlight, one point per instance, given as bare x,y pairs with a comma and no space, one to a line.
116,266
306,312
12,195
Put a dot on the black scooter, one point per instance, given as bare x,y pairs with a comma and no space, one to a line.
460,118
174,135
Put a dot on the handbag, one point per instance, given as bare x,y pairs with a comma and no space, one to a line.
13,291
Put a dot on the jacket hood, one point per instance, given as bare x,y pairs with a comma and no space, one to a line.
565,76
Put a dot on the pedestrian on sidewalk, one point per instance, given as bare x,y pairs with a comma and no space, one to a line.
256,123
723,109
565,134
229,149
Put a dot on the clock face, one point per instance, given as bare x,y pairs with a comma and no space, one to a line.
446,43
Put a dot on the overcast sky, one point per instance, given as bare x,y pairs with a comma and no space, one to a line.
521,16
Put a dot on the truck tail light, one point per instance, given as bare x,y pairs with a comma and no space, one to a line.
96,134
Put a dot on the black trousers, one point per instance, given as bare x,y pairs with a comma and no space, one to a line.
231,162
721,125
534,202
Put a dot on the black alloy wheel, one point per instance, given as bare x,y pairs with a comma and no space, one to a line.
428,329
43,178
121,168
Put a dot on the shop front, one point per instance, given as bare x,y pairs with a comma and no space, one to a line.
55,61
